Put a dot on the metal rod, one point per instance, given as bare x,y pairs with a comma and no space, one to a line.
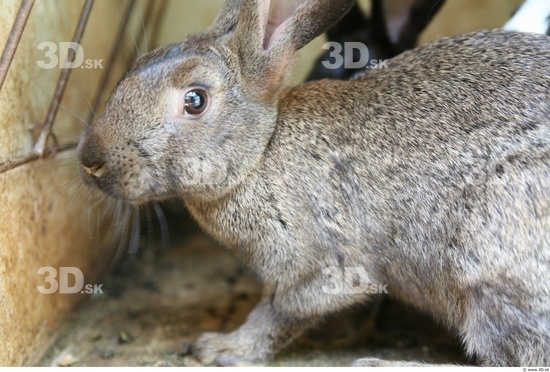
146,20
154,13
115,51
14,38
25,159
160,13
62,83
40,149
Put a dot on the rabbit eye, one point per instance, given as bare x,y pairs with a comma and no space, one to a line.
195,102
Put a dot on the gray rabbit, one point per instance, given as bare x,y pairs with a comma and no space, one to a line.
429,178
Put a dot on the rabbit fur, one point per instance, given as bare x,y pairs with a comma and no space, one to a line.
432,175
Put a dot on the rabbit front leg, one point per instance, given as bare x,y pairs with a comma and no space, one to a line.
374,362
282,315
265,332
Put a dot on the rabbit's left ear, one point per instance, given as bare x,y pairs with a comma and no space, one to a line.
269,32
295,23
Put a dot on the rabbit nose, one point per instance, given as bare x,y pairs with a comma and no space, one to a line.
92,159
96,170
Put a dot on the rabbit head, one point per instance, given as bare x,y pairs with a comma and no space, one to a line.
194,118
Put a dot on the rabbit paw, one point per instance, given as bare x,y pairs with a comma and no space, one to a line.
227,350
370,362
374,362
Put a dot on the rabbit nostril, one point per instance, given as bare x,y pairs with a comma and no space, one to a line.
96,171
91,154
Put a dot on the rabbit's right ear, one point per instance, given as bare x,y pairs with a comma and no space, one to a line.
266,34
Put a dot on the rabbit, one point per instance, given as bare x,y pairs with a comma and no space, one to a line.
392,28
428,179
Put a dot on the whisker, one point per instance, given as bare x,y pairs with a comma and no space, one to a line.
112,232
107,212
69,185
71,113
144,29
71,200
97,232
112,204
118,209
164,232
91,108
97,199
131,35
89,226
150,227
134,237
122,235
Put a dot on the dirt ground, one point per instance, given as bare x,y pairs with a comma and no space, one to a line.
154,306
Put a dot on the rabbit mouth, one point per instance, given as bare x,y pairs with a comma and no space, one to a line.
134,189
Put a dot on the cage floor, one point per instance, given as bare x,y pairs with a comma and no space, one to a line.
150,315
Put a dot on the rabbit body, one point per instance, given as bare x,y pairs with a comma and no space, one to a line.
437,191
432,176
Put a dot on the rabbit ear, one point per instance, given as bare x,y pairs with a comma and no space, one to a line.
295,22
269,32
227,18
269,22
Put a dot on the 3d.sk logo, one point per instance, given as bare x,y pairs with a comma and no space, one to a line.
352,55
71,281
71,55
351,280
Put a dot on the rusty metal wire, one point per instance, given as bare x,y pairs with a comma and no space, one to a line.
153,16
115,51
41,149
25,159
150,17
46,132
14,38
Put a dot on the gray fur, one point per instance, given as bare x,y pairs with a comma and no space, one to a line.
433,175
